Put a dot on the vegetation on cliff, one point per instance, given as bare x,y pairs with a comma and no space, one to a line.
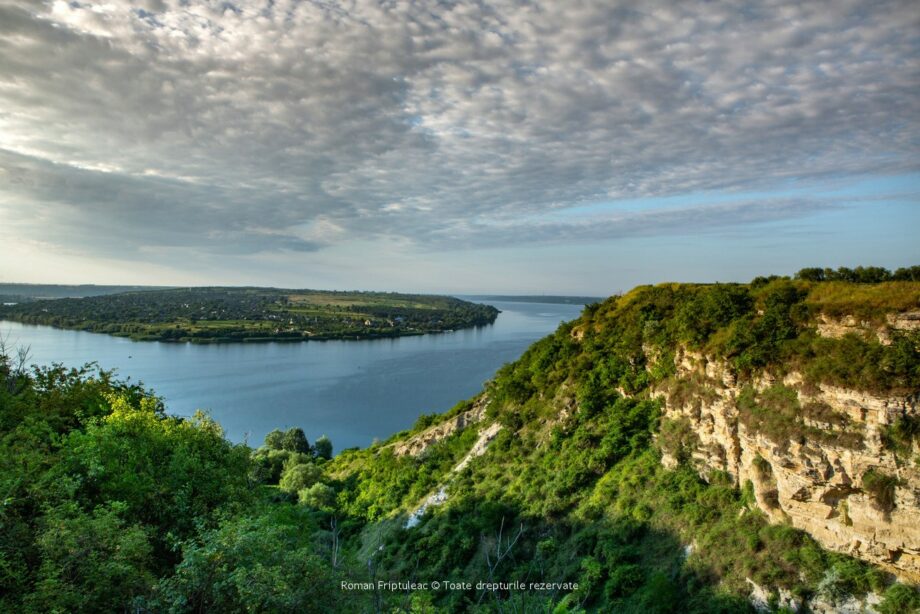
107,503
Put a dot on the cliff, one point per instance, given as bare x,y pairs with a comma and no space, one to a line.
633,450
815,455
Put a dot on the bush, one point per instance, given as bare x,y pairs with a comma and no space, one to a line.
253,564
298,476
902,433
91,562
269,463
881,487
900,599
275,440
319,496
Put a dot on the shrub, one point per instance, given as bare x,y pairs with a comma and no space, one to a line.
297,477
881,487
319,496
270,463
677,438
275,440
902,433
763,466
900,599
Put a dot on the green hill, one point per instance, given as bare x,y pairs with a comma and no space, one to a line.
547,492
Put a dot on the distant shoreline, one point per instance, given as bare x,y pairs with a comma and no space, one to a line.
534,298
249,314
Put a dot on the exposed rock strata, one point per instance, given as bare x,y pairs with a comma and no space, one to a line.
417,444
836,328
486,435
816,485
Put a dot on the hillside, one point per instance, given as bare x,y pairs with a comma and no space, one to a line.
680,448
221,315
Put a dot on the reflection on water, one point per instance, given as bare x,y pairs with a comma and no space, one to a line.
351,391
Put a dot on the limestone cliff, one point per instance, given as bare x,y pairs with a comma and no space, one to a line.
830,474
417,444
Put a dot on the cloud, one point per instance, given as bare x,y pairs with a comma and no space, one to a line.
289,126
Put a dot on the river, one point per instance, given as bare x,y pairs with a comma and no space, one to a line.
351,391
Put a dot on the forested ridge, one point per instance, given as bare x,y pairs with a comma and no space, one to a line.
107,503
222,315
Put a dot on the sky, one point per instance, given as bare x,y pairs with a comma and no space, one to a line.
551,147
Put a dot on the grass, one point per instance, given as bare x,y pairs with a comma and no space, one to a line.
864,301
776,413
901,434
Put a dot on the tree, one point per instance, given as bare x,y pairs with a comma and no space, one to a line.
254,564
907,274
319,496
275,440
811,274
168,471
295,441
323,448
92,562
296,477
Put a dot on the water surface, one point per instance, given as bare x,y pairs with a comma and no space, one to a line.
351,391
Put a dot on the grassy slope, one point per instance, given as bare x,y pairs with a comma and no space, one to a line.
576,469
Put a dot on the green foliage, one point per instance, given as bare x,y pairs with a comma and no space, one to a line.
755,341
260,563
854,362
859,275
323,448
881,487
847,577
90,561
275,440
677,438
867,302
776,413
763,466
900,599
911,273
294,440
96,486
167,471
319,496
298,476
902,433
708,310
374,484
268,463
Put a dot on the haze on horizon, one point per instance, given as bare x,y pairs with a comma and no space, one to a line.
505,147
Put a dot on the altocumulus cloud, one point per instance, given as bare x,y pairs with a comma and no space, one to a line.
287,125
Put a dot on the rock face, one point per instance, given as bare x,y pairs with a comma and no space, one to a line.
417,444
836,328
815,478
